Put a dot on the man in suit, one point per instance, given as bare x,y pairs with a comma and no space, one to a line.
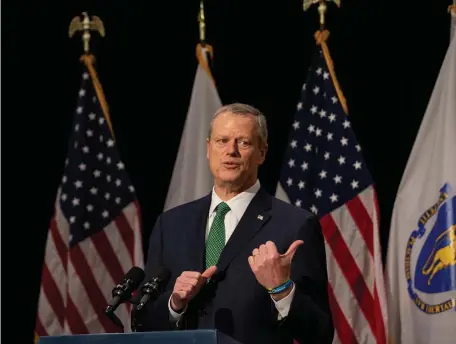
223,251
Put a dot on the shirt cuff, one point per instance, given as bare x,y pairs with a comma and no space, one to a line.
283,305
174,316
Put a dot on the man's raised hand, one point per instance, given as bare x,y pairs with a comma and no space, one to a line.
187,285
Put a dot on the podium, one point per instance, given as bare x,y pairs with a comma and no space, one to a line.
165,337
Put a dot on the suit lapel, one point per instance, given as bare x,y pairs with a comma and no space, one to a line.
255,217
196,235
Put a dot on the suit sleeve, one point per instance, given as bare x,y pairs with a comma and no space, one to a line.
309,319
155,315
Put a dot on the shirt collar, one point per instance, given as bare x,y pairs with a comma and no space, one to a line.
239,203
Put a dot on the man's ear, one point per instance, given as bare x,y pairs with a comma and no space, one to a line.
263,151
207,148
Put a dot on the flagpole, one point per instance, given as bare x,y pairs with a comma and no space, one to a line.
191,178
322,95
204,51
86,146
321,36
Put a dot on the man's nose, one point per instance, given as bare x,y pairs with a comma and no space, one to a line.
232,147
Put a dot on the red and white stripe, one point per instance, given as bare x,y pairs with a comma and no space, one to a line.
76,284
355,272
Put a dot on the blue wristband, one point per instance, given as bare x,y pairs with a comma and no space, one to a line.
280,288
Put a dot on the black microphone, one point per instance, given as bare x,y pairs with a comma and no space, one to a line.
151,289
122,292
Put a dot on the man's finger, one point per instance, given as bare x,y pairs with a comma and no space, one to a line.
180,295
209,272
189,280
292,249
263,250
185,287
252,262
271,246
191,274
272,249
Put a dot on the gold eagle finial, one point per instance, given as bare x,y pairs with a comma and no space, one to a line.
86,25
321,8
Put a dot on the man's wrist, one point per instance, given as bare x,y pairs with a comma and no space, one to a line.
281,291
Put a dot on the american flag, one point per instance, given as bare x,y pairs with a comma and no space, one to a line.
324,172
94,236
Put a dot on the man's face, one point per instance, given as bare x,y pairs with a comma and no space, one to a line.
234,149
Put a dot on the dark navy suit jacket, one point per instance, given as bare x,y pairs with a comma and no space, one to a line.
234,302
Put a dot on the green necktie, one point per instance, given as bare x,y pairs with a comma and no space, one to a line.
216,238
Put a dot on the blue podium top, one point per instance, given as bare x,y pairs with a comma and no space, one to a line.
168,337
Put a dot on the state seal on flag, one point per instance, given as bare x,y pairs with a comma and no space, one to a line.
430,256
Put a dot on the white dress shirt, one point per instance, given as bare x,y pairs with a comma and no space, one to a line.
238,205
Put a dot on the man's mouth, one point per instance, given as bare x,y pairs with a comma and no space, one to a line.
231,164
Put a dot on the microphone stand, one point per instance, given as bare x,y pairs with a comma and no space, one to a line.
147,291
109,311
134,322
137,310
121,293
115,319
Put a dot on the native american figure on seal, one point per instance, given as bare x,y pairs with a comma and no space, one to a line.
443,254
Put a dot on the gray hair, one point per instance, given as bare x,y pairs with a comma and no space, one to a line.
245,110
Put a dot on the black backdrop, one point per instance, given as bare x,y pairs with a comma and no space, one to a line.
387,56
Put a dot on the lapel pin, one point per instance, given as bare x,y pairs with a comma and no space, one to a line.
260,217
